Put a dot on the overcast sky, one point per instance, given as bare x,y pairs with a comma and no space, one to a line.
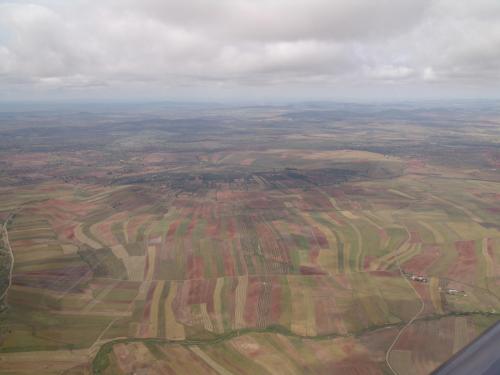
249,49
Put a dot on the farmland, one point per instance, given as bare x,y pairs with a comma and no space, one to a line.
284,239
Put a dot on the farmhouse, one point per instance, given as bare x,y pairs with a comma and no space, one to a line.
421,279
455,292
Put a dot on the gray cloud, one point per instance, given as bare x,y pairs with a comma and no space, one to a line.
157,48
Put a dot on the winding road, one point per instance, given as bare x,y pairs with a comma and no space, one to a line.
387,354
7,244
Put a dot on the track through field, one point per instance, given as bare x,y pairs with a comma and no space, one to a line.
7,243
387,354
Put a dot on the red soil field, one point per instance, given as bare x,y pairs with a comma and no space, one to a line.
173,228
228,260
200,291
309,270
420,262
384,273
214,229
254,291
489,248
465,265
232,228
194,267
190,227
415,165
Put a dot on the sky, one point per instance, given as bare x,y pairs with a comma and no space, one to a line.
201,50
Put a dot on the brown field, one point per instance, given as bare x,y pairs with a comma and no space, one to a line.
198,251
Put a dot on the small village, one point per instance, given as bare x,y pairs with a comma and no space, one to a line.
425,279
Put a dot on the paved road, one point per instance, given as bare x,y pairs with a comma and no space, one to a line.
481,357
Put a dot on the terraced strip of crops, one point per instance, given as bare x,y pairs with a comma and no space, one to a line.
273,349
252,271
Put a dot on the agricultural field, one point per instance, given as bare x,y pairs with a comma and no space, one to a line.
247,240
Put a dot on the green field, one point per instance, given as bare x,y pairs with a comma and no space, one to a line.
252,247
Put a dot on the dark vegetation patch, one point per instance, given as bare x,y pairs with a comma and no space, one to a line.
103,263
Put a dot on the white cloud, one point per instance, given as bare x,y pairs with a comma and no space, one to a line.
429,74
389,72
299,45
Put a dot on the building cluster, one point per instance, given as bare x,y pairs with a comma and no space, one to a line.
425,279
418,278
454,292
